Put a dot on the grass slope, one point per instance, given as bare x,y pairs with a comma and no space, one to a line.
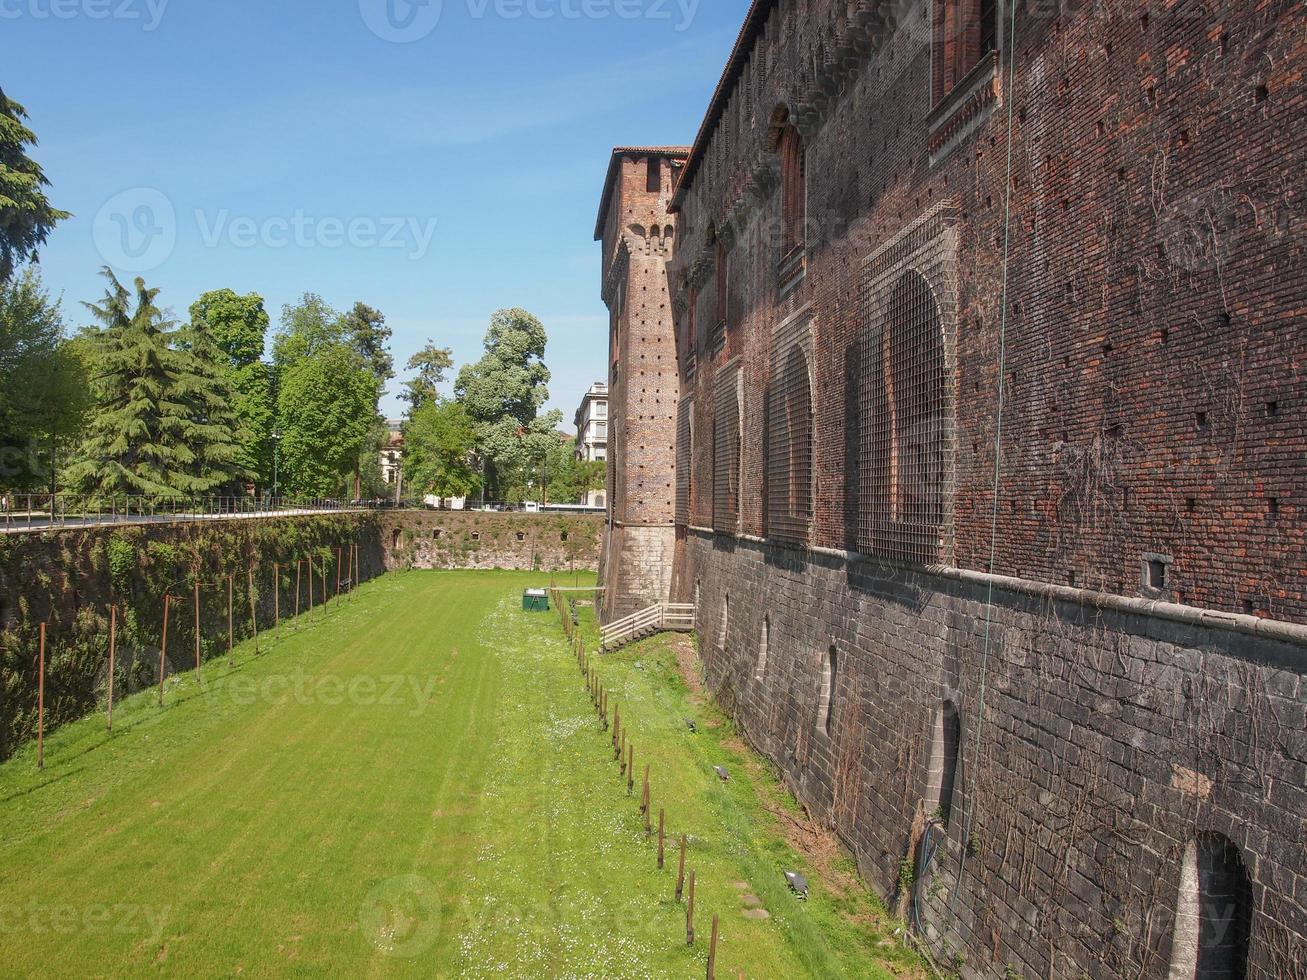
412,783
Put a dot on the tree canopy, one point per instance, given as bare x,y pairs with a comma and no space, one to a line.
439,442
26,215
44,387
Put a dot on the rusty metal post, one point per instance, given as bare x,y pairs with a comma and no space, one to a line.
712,951
163,647
231,621
254,610
196,594
40,702
113,639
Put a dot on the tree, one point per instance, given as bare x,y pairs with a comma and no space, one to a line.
439,446
217,439
238,326
431,364
366,332
503,393
26,216
139,439
306,327
326,405
44,385
510,380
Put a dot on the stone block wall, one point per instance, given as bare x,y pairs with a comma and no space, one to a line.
471,539
1097,742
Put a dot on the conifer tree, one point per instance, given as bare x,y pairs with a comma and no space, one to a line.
138,438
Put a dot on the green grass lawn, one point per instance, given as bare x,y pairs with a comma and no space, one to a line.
412,783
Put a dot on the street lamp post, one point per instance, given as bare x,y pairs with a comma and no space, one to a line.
276,445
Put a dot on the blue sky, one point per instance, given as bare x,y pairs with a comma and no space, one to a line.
437,161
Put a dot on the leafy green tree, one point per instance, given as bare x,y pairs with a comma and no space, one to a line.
326,405
217,439
140,436
306,328
503,393
238,326
44,386
570,479
431,363
26,216
366,332
439,451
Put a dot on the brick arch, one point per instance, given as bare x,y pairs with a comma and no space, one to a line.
906,420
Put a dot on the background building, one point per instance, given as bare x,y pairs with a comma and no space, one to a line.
990,459
592,435
392,455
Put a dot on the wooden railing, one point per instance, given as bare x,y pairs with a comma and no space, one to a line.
659,618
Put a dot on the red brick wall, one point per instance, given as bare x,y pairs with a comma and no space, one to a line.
1153,380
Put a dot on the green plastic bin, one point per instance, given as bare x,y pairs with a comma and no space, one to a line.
535,600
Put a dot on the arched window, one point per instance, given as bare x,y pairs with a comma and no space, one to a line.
946,744
726,621
727,446
1213,926
764,644
789,449
826,702
794,188
907,428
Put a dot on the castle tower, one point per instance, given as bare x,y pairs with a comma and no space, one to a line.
638,234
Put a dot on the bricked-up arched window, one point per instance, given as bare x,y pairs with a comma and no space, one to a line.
1213,922
789,448
826,696
965,33
945,749
906,426
726,450
794,188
